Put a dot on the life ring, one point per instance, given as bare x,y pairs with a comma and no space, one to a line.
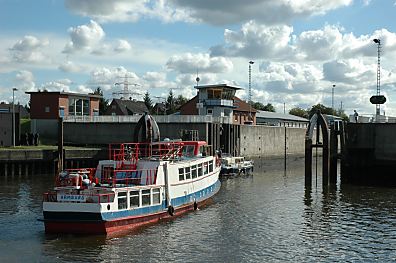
171,210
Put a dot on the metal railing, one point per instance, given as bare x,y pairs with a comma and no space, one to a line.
372,118
158,119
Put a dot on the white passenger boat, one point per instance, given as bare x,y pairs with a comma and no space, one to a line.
140,183
235,165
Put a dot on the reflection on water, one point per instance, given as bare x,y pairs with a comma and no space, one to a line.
265,217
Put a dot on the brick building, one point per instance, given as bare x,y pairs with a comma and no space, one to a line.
55,104
219,101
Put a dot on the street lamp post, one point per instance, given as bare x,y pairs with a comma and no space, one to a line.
332,98
250,90
13,116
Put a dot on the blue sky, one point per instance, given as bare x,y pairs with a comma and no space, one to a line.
300,48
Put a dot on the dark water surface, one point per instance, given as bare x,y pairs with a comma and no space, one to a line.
267,217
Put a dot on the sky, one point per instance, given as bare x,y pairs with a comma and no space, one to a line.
300,49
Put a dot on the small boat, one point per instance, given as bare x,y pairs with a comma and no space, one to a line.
235,165
140,183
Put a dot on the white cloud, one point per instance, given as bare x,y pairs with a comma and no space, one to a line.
29,49
322,44
122,46
106,78
264,11
70,66
57,85
190,63
127,11
24,80
256,41
84,37
350,71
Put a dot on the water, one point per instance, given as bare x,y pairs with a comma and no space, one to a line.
268,217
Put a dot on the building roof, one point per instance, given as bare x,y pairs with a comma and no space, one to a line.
279,116
216,86
129,107
5,107
242,105
64,93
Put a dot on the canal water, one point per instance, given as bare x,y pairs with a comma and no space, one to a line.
267,217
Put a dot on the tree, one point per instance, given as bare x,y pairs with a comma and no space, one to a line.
323,109
269,107
170,103
297,111
103,103
147,101
258,105
340,113
180,101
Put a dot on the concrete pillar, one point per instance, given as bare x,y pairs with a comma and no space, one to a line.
6,170
26,169
12,169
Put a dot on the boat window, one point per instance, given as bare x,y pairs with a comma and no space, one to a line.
194,171
188,150
210,166
133,199
205,168
122,200
200,169
156,196
181,174
145,197
188,174
107,173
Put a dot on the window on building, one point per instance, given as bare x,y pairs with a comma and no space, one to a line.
209,112
85,107
72,110
156,196
96,112
181,174
187,172
134,199
145,197
47,109
78,107
61,112
122,200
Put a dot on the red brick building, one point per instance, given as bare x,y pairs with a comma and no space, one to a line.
55,104
240,113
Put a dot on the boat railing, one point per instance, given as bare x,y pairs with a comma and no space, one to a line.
79,198
134,151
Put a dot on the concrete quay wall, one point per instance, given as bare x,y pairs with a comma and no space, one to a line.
370,154
252,141
269,141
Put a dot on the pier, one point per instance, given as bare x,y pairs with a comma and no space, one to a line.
366,152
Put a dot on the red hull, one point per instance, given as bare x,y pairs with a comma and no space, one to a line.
113,227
